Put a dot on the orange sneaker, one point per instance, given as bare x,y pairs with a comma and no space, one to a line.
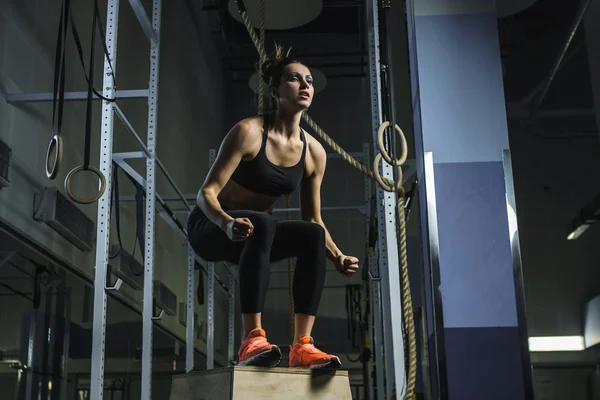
304,354
256,350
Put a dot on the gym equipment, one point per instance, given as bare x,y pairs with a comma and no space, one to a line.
254,383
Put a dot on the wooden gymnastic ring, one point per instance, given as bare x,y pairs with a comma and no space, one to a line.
383,152
74,172
54,147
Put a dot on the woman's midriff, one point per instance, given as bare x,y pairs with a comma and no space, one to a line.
236,197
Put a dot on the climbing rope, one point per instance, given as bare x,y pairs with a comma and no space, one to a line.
261,82
387,185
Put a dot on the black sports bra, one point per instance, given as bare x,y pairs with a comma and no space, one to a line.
262,176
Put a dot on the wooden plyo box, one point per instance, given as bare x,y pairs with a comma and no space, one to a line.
255,383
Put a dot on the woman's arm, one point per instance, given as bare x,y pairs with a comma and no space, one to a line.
234,147
310,196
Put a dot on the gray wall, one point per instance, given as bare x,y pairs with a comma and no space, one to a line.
191,104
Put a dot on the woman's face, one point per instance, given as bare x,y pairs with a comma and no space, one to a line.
295,91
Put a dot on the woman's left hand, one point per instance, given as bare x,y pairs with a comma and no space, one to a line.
346,265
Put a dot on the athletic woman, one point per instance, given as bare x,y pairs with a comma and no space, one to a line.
261,159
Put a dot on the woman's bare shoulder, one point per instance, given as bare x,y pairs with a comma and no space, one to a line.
315,147
250,126
316,157
245,135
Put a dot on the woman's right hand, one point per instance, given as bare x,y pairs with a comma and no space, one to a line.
239,229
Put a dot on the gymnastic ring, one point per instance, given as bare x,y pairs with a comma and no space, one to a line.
74,172
54,147
382,150
385,185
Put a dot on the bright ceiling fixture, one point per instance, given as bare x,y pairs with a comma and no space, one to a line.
556,343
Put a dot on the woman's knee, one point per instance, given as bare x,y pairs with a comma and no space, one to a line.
264,225
313,235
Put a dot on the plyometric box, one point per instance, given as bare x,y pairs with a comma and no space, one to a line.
255,383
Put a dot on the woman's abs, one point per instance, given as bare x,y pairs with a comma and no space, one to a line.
236,197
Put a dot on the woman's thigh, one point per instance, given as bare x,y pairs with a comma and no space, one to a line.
212,244
297,238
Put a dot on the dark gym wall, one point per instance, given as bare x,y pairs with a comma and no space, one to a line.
190,117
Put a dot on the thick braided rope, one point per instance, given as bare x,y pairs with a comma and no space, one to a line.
387,185
407,306
261,82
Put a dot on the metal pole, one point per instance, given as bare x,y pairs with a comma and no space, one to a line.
13,98
368,282
173,184
31,353
210,323
190,323
387,238
231,325
103,221
66,344
148,305
130,129
147,27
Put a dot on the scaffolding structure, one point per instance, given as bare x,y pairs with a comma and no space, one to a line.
152,30
385,326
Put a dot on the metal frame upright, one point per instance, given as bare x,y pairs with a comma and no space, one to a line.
103,224
385,273
149,183
152,30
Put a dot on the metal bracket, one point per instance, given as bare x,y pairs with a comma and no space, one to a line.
154,316
159,316
117,286
372,278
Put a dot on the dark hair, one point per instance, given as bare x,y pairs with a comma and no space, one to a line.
271,68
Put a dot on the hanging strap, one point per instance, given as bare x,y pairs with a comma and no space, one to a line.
96,24
55,148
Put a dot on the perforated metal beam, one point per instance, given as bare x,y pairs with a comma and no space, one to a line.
148,316
103,221
190,323
388,259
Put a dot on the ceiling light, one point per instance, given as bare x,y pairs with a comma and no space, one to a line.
556,343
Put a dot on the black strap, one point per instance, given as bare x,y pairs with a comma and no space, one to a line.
200,287
58,91
77,40
114,200
96,24
88,112
58,95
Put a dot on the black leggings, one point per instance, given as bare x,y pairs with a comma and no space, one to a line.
271,240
